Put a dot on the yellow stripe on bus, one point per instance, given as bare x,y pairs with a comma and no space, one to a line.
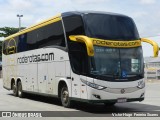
44,23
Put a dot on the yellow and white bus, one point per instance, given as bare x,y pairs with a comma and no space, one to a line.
93,57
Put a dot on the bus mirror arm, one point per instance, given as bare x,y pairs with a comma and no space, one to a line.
154,44
84,39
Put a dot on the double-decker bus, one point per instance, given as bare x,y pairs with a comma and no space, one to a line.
94,57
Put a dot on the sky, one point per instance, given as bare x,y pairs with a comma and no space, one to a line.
145,13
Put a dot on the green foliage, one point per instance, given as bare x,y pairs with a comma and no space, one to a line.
7,31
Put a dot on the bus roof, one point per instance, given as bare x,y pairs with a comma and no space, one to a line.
87,12
57,18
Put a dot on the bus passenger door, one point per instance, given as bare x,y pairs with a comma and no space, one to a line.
79,66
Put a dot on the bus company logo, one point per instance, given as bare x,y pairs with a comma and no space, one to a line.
36,58
11,47
122,91
122,44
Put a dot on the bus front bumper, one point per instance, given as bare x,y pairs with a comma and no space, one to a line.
106,101
115,100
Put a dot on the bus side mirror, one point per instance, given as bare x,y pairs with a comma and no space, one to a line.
154,44
84,39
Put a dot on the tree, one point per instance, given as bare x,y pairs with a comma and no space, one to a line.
6,31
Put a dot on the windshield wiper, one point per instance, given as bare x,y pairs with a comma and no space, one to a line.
107,75
133,75
96,73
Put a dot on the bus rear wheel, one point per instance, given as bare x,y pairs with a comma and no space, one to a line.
19,89
65,100
14,88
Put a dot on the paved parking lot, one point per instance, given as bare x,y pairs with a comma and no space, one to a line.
39,103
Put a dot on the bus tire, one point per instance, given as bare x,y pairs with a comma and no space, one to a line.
14,89
19,90
65,100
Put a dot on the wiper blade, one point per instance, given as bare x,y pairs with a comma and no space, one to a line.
107,75
101,75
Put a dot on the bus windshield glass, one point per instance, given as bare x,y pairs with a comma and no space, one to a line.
119,62
110,27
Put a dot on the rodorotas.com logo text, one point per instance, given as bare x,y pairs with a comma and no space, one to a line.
36,58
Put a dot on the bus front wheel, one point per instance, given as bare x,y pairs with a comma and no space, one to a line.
66,102
20,92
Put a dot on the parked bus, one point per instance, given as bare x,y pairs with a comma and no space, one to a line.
93,57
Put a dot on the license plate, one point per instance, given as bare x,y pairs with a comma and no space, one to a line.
121,100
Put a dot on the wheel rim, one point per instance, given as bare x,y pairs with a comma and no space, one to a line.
65,96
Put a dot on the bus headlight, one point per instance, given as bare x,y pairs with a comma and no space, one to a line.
93,85
141,84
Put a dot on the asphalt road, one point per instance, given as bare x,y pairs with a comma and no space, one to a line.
39,103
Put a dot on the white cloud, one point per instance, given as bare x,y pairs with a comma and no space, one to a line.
148,1
89,1
139,14
20,4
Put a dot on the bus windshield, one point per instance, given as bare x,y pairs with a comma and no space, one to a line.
110,27
119,62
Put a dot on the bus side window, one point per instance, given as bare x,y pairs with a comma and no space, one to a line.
22,43
5,47
51,34
78,58
73,26
77,51
31,40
